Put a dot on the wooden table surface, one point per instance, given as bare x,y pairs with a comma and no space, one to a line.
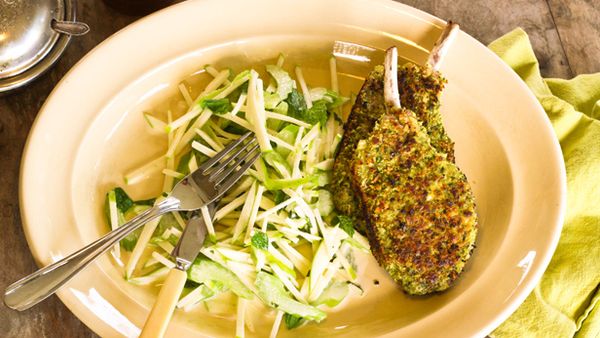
565,35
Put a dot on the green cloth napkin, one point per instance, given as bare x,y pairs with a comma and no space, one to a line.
566,302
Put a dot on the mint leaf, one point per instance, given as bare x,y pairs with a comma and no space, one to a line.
217,106
166,221
334,99
279,196
235,95
129,242
124,202
260,240
345,223
316,114
183,165
149,202
107,209
292,321
313,115
296,103
234,128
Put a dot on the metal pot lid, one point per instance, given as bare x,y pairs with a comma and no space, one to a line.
32,37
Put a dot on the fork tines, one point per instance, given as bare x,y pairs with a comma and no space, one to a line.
226,167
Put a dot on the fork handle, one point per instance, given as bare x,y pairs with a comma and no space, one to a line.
163,308
39,285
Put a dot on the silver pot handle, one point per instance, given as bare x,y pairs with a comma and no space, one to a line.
71,28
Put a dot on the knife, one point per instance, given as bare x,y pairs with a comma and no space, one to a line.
184,253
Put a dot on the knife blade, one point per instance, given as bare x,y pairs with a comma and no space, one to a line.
184,253
192,239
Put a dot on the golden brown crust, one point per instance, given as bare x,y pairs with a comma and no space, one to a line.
420,208
420,90
360,122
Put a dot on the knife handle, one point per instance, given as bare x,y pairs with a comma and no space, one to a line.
161,313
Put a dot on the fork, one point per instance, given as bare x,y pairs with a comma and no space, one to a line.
203,186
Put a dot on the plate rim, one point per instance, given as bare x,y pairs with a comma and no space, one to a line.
532,279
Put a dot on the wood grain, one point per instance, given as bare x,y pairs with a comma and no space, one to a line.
17,112
578,27
578,23
487,20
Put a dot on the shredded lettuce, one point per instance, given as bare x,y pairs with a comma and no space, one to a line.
273,293
333,294
285,84
276,233
271,100
282,109
239,80
291,183
334,99
287,135
205,271
330,97
325,202
323,178
275,160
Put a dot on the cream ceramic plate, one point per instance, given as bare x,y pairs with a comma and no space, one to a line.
90,130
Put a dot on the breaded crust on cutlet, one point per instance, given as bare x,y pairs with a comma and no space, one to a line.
420,90
420,208
360,122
